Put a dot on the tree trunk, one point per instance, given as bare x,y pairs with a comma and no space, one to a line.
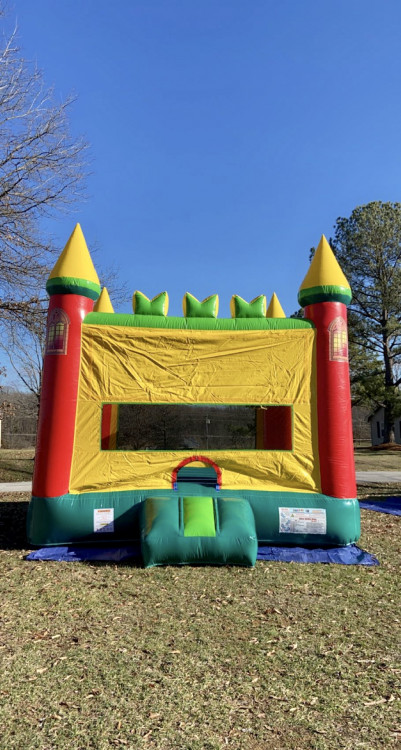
389,416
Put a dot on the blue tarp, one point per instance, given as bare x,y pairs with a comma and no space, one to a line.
351,555
390,505
75,553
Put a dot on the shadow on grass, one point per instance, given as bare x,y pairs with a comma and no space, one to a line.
374,492
11,472
13,525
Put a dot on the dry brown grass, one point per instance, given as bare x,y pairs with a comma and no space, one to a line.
368,460
98,656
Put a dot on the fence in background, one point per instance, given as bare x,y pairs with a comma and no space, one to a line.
18,432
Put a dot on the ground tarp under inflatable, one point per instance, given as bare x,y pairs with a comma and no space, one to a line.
351,555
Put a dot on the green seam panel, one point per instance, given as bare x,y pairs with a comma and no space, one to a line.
196,324
70,285
324,294
198,471
198,516
216,516
69,519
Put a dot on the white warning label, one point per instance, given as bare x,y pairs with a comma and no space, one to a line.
302,520
103,520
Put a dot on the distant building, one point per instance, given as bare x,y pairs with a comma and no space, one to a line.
377,427
360,424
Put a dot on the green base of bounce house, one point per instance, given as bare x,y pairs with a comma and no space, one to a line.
194,524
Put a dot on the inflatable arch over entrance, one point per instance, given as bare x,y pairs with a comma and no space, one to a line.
199,429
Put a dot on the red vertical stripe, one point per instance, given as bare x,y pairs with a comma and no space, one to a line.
106,424
277,428
109,427
58,403
336,453
113,427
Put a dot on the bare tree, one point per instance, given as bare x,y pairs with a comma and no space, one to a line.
18,414
41,172
23,343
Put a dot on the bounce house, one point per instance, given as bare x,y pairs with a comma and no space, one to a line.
199,436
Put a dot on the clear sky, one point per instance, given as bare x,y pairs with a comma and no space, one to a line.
226,135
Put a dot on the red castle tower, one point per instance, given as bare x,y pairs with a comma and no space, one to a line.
324,293
73,285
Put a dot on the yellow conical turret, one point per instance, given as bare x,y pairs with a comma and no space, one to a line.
325,280
74,272
275,310
103,304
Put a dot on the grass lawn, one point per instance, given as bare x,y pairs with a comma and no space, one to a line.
16,465
284,656
368,460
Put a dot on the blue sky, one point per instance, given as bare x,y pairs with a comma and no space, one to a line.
226,136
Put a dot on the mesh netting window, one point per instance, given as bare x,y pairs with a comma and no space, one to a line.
167,427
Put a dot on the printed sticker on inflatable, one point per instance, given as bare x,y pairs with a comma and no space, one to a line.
302,520
103,520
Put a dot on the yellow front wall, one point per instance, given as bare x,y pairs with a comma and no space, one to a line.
139,365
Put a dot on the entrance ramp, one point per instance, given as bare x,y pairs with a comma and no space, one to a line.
198,531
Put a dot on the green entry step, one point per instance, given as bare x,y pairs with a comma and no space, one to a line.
198,516
198,531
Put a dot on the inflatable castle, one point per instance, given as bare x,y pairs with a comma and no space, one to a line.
199,436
